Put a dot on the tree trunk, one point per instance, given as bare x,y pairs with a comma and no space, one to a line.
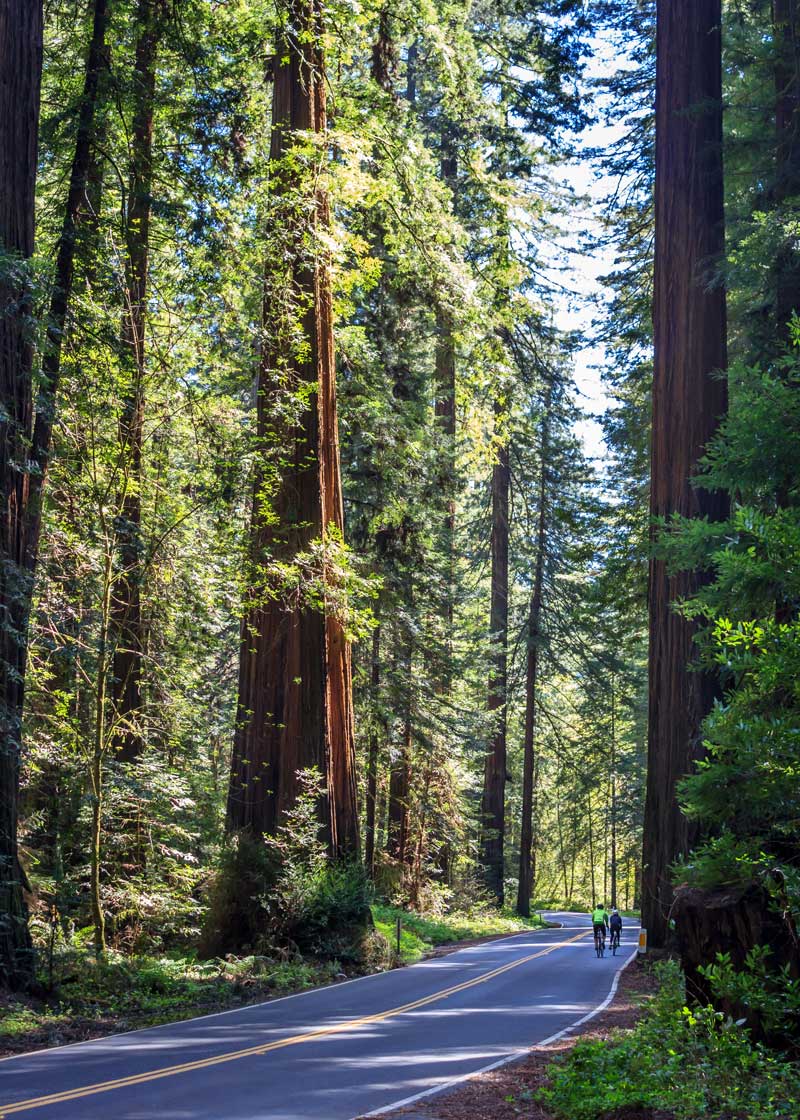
384,52
786,32
525,883
372,756
733,921
21,70
688,400
612,855
591,851
295,692
128,623
79,186
397,832
494,782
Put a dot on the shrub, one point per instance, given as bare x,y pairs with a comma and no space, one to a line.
284,891
690,1062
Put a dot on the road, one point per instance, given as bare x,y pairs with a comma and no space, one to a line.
335,1053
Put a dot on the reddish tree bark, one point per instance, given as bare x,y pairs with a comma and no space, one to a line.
295,693
688,400
127,606
372,755
494,784
21,70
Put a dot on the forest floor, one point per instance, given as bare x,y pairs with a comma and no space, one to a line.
509,1093
91,999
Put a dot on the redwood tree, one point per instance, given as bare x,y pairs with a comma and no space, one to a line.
689,396
295,693
527,867
494,785
21,70
127,606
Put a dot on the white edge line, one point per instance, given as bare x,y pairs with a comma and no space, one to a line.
514,1056
269,1002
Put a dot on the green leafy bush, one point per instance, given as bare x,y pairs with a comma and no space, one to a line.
285,892
693,1063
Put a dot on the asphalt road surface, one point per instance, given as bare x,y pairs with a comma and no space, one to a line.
332,1054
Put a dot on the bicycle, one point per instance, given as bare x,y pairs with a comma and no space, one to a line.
600,942
614,941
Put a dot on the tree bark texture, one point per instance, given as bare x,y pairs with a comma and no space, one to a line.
372,755
128,624
20,82
732,921
688,400
295,693
494,783
384,52
526,850
397,831
66,249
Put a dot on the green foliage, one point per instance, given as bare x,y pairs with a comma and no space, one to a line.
127,992
421,932
285,891
689,1062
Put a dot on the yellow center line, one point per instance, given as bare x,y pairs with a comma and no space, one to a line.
265,1048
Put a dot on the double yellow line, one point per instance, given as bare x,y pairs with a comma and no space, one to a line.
265,1048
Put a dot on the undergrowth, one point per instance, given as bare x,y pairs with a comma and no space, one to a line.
419,932
688,1062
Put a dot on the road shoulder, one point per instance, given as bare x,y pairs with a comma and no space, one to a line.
508,1093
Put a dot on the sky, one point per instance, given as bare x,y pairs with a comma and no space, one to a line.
576,310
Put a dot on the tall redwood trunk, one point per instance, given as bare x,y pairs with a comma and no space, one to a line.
295,693
786,29
688,400
445,411
372,755
526,850
397,830
20,81
127,606
76,206
612,851
494,784
399,816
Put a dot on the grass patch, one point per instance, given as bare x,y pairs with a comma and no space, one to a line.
420,933
123,993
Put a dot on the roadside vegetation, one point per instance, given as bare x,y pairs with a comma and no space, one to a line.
682,1061
81,997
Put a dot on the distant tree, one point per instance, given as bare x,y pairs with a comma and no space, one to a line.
128,625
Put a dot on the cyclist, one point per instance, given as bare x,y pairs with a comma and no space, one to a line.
600,924
615,926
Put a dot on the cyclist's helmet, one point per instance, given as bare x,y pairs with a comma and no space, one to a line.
615,911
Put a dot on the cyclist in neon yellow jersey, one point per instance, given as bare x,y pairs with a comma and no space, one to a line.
600,920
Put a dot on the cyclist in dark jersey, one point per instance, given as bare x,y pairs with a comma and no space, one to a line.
615,925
